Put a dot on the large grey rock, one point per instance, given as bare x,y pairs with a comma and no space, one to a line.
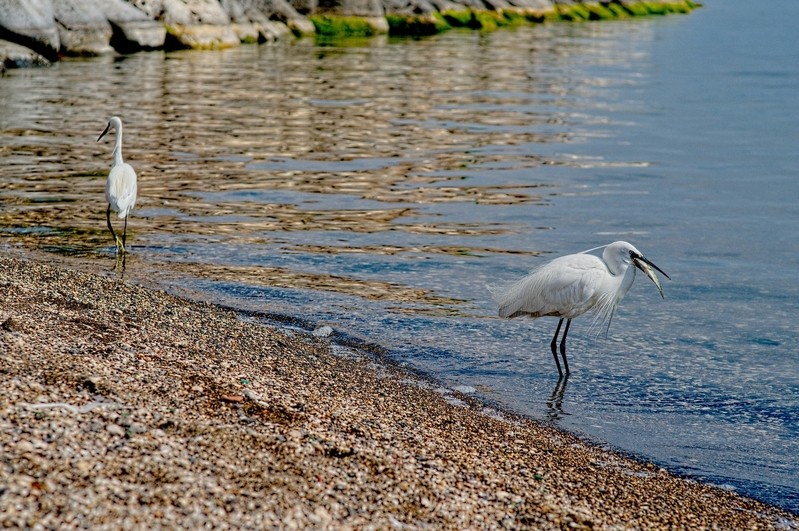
496,5
533,5
410,7
192,23
14,55
244,28
351,8
371,11
304,7
470,4
188,12
420,7
133,29
82,27
152,8
30,23
263,11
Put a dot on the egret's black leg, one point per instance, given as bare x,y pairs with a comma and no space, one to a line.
563,345
108,220
554,347
124,233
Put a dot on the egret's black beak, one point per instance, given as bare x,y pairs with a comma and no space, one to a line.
107,127
646,266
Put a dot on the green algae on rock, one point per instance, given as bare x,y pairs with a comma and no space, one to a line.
417,25
349,26
490,20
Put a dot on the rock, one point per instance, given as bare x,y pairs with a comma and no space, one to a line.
305,7
13,50
82,27
269,31
323,331
262,12
351,8
133,29
192,23
533,5
415,7
496,5
187,12
232,398
30,23
115,429
371,11
242,26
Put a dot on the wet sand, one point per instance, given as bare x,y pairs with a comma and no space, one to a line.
125,407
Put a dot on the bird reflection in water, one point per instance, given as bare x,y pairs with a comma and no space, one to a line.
555,402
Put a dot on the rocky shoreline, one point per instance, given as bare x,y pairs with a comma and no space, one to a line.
39,32
124,407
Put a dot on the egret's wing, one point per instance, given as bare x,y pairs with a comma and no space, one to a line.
565,287
121,189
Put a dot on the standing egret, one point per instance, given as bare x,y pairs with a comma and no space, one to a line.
120,189
571,285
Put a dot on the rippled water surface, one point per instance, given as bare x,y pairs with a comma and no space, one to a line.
378,186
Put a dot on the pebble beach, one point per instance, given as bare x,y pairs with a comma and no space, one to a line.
123,407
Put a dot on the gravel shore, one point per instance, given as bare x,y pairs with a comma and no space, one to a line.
124,407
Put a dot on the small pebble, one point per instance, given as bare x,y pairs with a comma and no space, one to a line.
115,429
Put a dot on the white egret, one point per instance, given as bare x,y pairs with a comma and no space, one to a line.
571,285
120,189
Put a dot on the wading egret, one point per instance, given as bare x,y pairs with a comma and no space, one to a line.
571,285
120,189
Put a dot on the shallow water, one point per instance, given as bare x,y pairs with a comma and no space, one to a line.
378,186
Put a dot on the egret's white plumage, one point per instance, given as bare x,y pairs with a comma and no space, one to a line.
121,186
572,285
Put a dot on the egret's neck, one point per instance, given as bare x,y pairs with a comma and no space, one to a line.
118,148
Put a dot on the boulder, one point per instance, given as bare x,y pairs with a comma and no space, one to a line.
447,5
191,23
351,8
244,28
369,11
133,29
260,11
270,31
496,5
537,6
413,7
14,55
305,7
30,23
82,27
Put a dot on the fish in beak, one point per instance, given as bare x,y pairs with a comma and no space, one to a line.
647,267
